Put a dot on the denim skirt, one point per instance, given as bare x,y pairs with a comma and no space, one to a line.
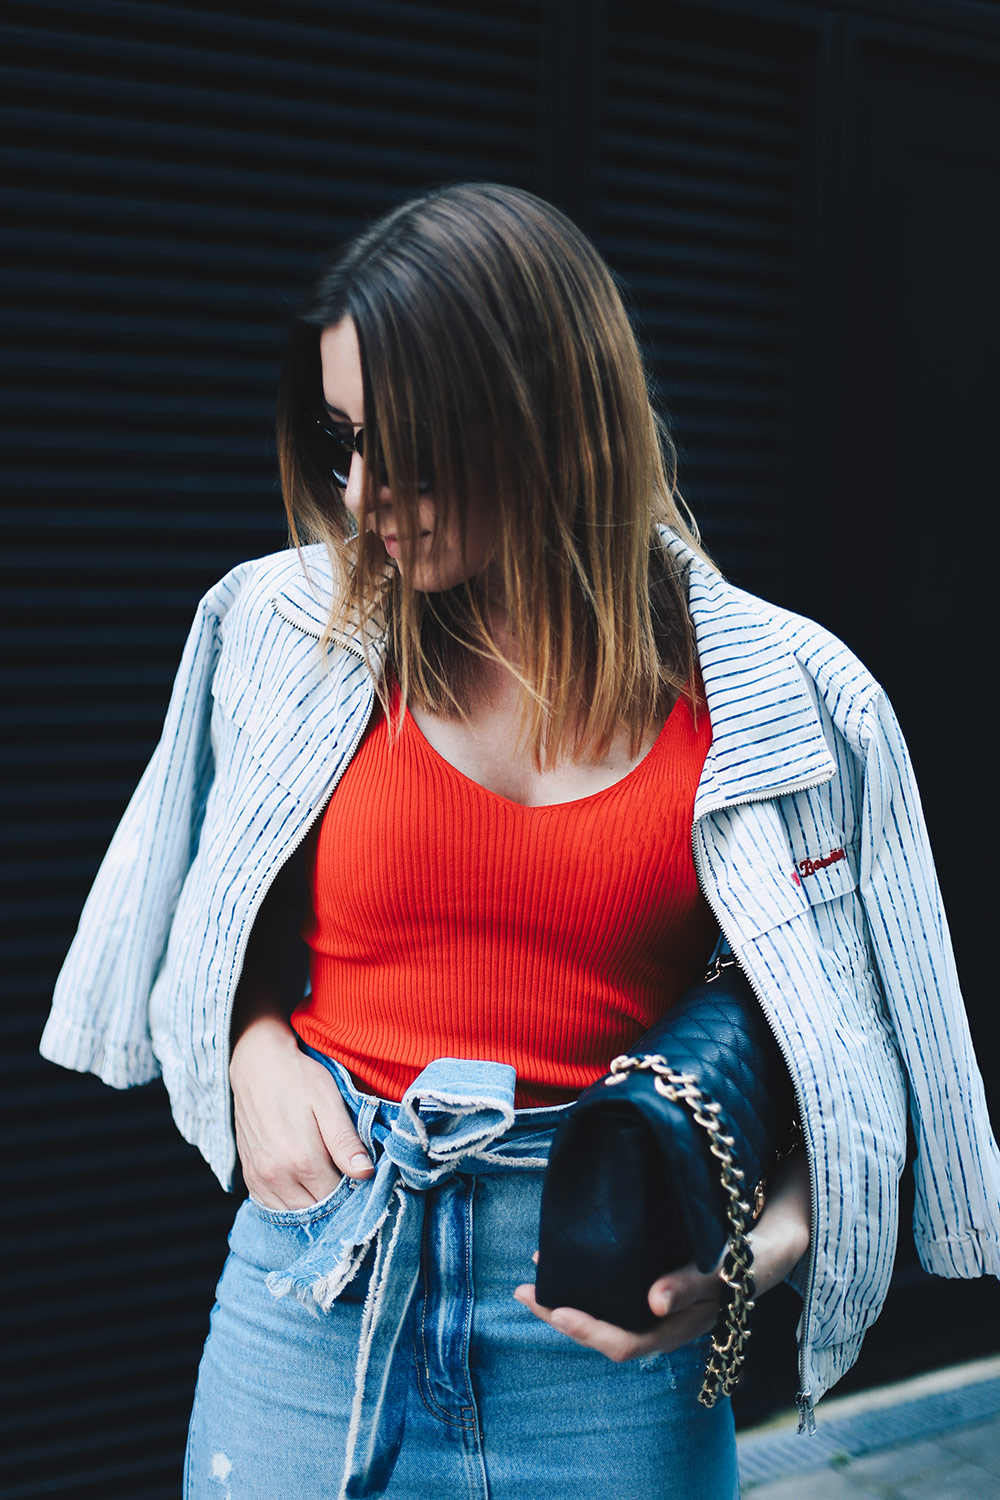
370,1344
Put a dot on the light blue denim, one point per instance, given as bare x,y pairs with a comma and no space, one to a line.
370,1344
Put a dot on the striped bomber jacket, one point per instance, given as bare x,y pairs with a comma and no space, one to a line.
809,843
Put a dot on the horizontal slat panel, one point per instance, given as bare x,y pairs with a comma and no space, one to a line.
354,102
699,189
175,176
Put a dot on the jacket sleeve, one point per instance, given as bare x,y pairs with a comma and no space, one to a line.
957,1210
98,1022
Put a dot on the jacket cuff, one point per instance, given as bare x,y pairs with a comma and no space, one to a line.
965,1255
86,1051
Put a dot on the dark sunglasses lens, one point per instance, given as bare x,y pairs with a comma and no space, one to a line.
337,445
341,473
341,442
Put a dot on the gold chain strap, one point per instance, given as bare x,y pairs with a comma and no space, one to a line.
732,1330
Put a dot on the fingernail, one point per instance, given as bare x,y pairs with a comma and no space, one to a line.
360,1162
662,1303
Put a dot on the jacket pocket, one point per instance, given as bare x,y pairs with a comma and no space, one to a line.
250,734
756,905
238,700
827,876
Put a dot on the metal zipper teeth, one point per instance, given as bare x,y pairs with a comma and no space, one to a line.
803,1399
252,915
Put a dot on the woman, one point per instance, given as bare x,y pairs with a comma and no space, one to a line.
505,652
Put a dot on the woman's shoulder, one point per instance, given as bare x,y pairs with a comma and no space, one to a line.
293,587
258,581
740,634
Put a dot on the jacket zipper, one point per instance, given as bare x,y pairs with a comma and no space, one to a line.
318,811
804,1398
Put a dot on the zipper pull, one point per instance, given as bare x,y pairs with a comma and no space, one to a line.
807,1420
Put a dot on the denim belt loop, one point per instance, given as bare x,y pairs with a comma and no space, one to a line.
365,1123
452,1120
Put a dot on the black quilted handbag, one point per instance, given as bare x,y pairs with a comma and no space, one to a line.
659,1163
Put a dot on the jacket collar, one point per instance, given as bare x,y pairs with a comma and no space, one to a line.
306,600
767,738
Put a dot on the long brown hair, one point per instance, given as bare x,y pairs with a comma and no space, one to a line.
498,357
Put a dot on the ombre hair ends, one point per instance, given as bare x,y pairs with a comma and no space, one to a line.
497,356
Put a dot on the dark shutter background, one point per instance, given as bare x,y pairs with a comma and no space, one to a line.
699,195
174,176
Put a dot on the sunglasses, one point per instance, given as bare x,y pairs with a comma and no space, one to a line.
340,441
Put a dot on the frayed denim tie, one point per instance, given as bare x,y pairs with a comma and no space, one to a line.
450,1122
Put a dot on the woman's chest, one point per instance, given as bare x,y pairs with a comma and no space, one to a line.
491,750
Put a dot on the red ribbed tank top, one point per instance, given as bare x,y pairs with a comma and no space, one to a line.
448,921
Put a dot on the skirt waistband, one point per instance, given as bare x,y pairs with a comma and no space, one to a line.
457,1119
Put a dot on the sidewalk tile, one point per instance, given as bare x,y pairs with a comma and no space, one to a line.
978,1444
902,1462
815,1484
961,1482
939,1445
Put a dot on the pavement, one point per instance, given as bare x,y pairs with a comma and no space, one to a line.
936,1437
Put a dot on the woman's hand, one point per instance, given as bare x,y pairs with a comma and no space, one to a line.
294,1133
687,1302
